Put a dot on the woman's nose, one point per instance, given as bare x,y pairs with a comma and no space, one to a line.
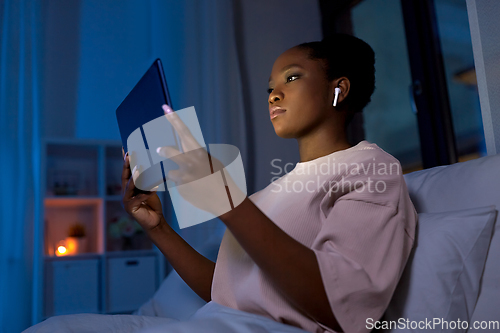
275,96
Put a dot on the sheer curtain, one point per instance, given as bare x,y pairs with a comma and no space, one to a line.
19,151
196,43
199,36
116,41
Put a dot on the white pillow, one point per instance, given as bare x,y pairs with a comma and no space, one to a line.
442,277
470,184
175,299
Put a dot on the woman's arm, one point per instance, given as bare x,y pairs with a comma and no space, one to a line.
145,207
195,269
292,266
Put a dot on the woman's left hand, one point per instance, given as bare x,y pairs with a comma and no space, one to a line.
195,165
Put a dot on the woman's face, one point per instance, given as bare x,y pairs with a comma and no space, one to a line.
299,86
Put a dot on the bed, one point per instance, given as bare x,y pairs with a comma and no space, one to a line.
452,277
454,270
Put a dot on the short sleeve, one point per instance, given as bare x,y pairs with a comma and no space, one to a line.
362,247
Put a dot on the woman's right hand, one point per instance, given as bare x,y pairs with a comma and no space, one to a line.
144,207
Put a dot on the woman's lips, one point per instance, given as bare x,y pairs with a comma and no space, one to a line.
276,112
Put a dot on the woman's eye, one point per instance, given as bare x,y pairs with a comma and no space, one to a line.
288,79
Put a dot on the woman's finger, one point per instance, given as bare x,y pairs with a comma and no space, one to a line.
131,190
173,154
139,199
175,176
126,173
187,139
136,203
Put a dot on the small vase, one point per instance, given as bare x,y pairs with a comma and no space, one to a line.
76,245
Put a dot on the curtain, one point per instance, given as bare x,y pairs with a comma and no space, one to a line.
20,156
195,41
112,44
484,30
199,37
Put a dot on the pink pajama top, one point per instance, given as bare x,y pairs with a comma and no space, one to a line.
353,210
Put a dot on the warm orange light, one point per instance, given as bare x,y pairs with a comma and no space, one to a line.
61,251
71,245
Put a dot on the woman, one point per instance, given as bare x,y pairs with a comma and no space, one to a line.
321,248
325,258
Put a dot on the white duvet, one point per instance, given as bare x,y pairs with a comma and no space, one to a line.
211,318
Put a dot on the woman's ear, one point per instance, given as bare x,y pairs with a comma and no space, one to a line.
344,84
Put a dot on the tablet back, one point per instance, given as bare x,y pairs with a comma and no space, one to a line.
144,102
141,106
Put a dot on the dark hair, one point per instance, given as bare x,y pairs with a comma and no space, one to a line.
349,56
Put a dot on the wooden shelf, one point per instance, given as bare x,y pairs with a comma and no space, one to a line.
82,185
71,201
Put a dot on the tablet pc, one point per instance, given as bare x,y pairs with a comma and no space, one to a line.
141,106
144,102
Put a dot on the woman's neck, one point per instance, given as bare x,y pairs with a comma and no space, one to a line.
322,143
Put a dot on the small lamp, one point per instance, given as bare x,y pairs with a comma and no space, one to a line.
61,249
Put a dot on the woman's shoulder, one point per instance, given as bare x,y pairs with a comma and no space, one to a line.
362,159
366,151
368,159
365,171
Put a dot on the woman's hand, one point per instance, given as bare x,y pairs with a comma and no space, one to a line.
195,165
144,207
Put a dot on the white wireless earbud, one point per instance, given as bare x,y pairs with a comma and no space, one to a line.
337,92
